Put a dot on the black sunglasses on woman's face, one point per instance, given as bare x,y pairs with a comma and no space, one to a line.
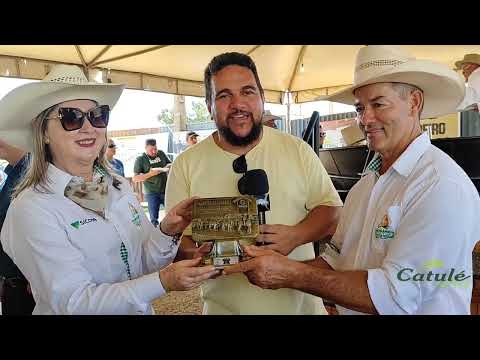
73,118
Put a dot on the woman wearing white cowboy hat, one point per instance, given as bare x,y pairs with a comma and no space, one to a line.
76,230
405,238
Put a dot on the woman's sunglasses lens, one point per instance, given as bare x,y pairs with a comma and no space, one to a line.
71,119
99,116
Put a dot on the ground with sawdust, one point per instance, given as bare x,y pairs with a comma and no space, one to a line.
179,303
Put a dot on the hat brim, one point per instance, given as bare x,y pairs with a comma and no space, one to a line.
460,63
442,87
21,138
20,106
270,117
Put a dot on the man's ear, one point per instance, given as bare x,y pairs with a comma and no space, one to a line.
416,103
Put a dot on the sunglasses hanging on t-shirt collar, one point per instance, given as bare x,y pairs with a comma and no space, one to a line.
253,182
240,165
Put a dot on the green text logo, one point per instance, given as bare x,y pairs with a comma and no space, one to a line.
78,223
444,279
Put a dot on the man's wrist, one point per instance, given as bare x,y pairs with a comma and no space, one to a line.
298,237
161,277
301,275
295,277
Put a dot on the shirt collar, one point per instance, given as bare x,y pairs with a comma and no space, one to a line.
407,161
409,158
266,134
58,179
474,73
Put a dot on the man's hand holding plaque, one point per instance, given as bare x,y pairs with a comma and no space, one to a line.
281,238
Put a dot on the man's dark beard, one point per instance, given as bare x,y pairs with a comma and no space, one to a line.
235,140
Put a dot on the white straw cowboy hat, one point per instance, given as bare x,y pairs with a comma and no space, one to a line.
468,59
64,82
267,116
442,87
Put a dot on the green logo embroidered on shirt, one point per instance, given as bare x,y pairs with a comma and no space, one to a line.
384,234
78,223
135,215
384,231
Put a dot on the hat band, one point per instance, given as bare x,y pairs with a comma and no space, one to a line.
378,63
74,80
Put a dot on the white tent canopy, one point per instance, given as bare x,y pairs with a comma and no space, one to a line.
306,71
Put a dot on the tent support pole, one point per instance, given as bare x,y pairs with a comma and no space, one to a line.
289,123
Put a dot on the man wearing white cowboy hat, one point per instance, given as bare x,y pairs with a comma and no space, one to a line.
405,239
269,120
470,66
74,228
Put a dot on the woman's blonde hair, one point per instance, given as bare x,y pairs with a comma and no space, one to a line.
36,173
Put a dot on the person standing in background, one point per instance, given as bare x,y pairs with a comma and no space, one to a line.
152,167
470,66
116,164
15,294
191,138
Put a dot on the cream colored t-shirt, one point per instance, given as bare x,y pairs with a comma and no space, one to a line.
298,183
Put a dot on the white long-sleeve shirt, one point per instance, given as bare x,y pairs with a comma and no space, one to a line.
71,256
420,216
472,92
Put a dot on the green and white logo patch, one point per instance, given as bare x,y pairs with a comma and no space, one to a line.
384,231
78,223
135,216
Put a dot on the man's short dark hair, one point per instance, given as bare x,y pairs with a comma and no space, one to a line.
190,133
221,61
151,142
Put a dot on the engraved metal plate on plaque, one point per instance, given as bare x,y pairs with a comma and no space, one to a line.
228,222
